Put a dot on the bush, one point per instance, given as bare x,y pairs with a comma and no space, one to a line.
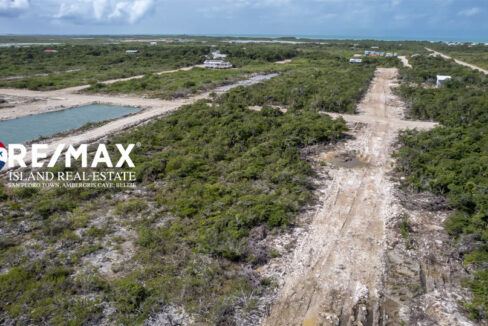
129,295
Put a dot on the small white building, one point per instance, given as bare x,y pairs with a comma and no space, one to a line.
217,64
217,55
355,60
154,43
131,51
442,79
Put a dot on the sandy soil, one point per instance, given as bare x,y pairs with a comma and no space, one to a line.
151,108
335,275
459,61
283,61
50,101
405,61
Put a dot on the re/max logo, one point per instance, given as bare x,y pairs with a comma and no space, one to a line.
15,156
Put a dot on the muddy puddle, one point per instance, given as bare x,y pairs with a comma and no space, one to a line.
346,160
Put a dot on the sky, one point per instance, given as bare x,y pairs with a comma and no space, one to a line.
408,19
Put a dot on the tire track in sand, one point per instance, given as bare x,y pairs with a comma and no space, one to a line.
335,276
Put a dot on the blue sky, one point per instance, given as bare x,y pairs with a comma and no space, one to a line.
416,19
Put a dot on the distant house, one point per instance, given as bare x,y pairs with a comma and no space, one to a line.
50,51
217,64
355,60
415,55
154,43
389,54
132,51
375,47
217,55
374,53
442,79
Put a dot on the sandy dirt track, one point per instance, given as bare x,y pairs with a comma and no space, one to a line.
51,101
459,61
151,108
335,275
405,61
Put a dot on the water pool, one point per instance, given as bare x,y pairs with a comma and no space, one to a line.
31,127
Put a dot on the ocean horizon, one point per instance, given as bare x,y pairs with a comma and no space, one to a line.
355,37
275,36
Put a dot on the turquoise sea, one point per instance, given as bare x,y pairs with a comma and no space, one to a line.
356,37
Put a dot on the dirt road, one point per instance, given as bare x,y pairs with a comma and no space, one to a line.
405,61
459,61
152,108
335,276
51,101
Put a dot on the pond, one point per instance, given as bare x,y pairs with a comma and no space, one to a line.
17,131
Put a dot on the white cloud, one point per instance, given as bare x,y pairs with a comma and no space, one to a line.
13,7
105,10
470,12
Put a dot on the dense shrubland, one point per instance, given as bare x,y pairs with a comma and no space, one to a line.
315,83
251,53
213,178
452,160
209,175
426,68
181,83
80,64
474,54
90,63
314,80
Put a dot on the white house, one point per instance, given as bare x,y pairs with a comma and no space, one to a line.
154,43
355,60
442,79
217,55
217,64
131,51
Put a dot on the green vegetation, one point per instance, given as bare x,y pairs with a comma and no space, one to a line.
181,83
452,160
474,54
89,61
84,64
318,82
211,174
72,65
315,80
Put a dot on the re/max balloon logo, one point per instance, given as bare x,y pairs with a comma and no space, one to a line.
15,156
